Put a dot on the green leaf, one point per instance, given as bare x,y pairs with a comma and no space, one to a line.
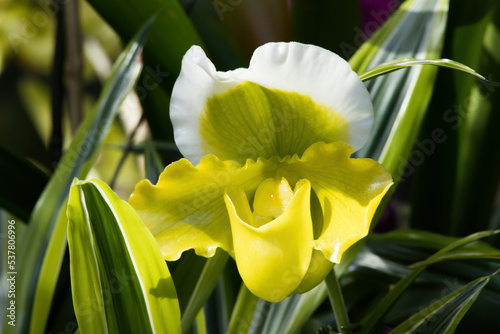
152,162
400,99
477,168
397,64
460,255
243,312
171,34
119,280
438,159
204,287
42,247
444,315
388,301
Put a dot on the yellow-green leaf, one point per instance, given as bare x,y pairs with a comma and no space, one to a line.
43,245
397,64
119,279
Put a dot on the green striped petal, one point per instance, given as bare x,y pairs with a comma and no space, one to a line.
250,121
291,96
186,209
120,282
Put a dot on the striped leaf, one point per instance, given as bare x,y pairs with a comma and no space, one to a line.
40,253
398,64
444,315
120,282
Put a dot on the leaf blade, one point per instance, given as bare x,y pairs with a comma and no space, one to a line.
398,64
75,162
444,315
121,245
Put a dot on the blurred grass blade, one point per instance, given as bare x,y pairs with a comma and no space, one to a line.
171,34
479,140
305,306
76,161
454,251
22,175
243,311
201,323
204,287
369,323
377,314
460,255
152,162
116,266
397,64
436,159
444,315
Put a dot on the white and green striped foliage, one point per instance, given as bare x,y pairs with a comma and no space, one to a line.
120,281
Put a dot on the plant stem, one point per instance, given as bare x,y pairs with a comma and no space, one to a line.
243,311
126,151
337,301
57,88
74,62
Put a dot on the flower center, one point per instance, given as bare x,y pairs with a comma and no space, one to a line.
271,199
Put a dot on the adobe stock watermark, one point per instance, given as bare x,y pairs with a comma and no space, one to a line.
31,26
11,273
455,117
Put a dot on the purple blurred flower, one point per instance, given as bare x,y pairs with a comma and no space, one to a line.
388,220
374,13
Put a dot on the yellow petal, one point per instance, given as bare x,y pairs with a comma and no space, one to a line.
316,273
272,259
186,209
349,191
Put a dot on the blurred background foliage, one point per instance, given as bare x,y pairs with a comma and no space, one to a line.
448,168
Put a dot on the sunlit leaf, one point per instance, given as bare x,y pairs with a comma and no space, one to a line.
398,64
204,287
39,250
119,279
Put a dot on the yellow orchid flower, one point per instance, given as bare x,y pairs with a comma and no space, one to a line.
268,175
